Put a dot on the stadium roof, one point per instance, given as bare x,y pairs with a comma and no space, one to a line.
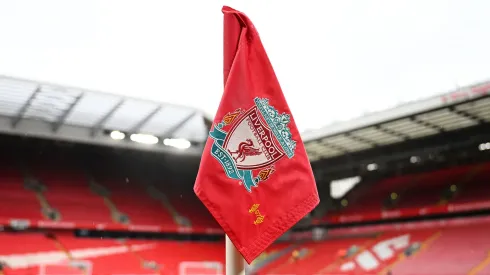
456,110
52,111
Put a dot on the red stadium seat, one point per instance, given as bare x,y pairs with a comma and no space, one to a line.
133,200
422,190
68,192
455,252
27,252
13,194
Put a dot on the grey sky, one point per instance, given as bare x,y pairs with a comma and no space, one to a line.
335,59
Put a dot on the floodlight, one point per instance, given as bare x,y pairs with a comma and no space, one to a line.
372,167
179,143
117,135
143,138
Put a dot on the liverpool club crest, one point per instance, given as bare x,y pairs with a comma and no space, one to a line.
248,143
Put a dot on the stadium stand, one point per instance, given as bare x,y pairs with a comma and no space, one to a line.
455,189
118,207
105,256
84,207
13,194
181,199
127,199
122,202
411,252
459,249
456,251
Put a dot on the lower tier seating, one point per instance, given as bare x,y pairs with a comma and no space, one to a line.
461,184
457,250
450,251
68,192
33,253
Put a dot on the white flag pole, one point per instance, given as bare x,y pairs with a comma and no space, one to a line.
234,260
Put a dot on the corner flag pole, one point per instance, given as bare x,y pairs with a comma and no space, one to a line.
235,264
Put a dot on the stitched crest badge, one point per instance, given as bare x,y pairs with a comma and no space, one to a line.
248,143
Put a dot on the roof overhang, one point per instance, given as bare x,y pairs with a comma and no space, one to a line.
453,111
52,111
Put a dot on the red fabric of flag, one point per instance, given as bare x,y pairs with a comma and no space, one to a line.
254,177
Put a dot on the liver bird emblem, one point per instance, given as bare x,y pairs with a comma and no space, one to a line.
244,150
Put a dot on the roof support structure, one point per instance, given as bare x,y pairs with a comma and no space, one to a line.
361,139
427,124
136,128
23,109
98,126
57,124
391,132
336,147
314,154
467,115
170,132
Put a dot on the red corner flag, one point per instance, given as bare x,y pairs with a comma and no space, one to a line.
254,177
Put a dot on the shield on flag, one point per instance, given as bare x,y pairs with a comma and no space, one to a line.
251,142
